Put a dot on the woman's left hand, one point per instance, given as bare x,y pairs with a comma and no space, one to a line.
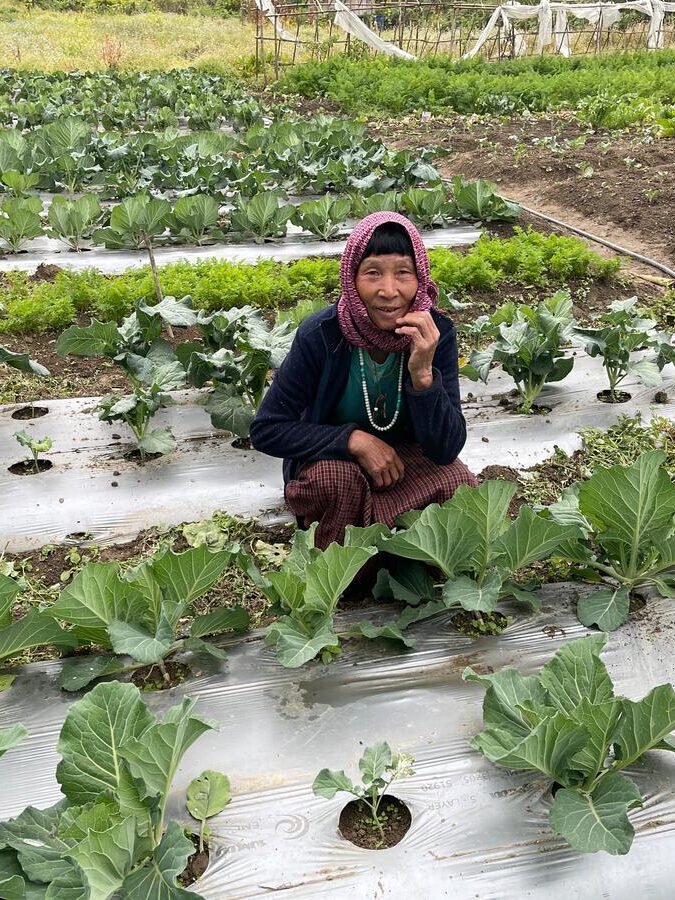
424,336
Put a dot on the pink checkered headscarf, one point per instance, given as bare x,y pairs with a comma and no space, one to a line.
355,323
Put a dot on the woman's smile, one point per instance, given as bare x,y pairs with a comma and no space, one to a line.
387,284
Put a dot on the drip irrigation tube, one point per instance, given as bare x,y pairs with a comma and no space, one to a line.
598,240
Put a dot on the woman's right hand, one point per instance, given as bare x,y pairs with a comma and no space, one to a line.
380,461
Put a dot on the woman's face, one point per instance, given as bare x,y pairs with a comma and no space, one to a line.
387,285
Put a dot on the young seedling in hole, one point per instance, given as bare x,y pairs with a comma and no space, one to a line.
35,445
379,769
207,796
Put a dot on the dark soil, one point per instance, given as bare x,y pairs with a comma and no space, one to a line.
356,824
613,184
45,272
136,456
30,412
637,608
196,864
27,467
619,396
242,443
504,473
475,624
151,678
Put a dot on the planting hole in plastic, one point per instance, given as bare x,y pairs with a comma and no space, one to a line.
30,412
356,824
28,467
197,863
619,396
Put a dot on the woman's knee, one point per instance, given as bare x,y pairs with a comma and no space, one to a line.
454,476
334,476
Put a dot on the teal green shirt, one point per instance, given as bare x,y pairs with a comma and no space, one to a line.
382,384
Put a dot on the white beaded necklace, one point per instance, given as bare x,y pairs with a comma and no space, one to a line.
366,398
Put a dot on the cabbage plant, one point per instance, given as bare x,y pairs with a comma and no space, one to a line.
20,221
478,548
32,630
107,836
194,220
625,328
262,216
137,613
429,208
305,593
528,345
73,221
479,201
322,217
567,723
626,512
9,738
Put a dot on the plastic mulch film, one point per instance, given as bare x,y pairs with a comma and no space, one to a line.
297,245
477,831
93,489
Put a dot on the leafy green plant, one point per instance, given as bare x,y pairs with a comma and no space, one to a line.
627,513
429,208
477,547
35,445
262,216
73,221
32,630
566,722
137,613
627,327
108,833
364,205
322,217
240,350
527,345
20,221
194,219
306,590
479,201
19,183
207,796
379,769
149,361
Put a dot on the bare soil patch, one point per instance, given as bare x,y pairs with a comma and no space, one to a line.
618,185
357,825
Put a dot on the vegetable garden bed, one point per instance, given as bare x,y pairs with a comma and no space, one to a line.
206,473
476,828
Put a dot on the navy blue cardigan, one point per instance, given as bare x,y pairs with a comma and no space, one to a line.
292,419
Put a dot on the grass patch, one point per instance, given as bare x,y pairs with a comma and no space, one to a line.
51,40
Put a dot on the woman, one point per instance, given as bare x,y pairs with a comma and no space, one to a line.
365,409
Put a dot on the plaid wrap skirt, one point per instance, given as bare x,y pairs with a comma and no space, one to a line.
336,493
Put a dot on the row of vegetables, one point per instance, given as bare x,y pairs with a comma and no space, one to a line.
128,100
565,722
238,349
142,222
297,155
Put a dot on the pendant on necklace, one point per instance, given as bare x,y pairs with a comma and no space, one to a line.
380,408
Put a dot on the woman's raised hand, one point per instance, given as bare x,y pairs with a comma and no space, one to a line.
377,458
424,336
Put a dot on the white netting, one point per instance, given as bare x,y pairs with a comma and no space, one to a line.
350,22
602,15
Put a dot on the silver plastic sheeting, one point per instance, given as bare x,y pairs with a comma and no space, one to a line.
478,830
93,489
298,245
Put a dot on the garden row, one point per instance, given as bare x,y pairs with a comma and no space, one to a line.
127,100
564,722
613,90
237,349
145,222
528,259
295,155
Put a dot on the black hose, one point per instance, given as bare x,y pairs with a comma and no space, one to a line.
598,240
